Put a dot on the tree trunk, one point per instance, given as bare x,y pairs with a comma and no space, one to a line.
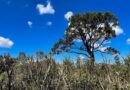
9,83
92,63
92,58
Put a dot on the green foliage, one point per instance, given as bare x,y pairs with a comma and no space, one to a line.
92,29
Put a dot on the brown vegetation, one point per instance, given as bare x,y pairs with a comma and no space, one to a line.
49,75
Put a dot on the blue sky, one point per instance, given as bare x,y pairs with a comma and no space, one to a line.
31,25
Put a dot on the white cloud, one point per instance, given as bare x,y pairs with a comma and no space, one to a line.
118,30
128,41
96,45
77,40
81,57
30,23
5,42
102,49
107,42
68,15
49,23
45,9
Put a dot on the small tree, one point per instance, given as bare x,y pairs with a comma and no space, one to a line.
22,57
7,66
40,55
92,30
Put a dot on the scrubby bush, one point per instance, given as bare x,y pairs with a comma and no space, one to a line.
48,75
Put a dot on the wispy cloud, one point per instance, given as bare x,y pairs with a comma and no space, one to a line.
26,5
5,42
77,40
29,23
49,23
128,41
107,42
68,15
8,2
48,9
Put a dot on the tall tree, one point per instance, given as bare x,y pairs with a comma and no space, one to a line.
92,30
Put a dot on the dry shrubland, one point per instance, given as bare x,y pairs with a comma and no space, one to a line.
46,74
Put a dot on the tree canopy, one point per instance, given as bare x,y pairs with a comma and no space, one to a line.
92,30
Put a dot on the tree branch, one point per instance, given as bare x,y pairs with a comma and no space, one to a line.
78,53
